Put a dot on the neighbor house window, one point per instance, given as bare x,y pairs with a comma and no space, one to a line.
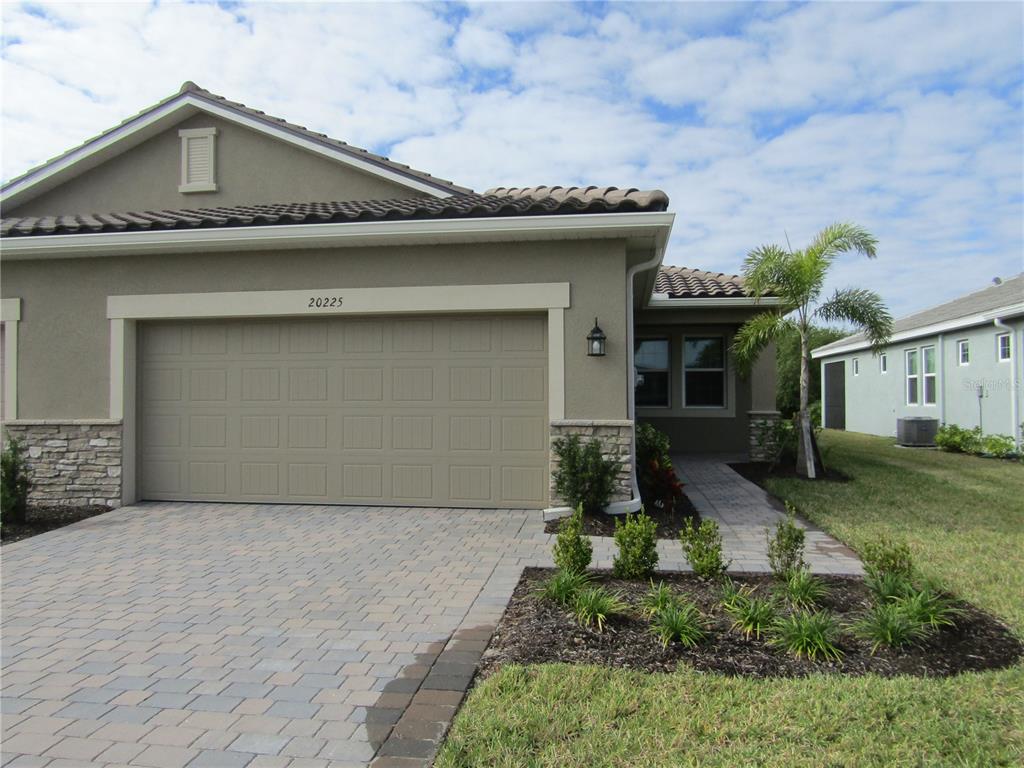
963,352
856,367
912,377
651,359
928,355
198,160
704,372
883,363
1003,347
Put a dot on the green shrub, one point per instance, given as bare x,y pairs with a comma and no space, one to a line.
999,446
807,634
681,623
887,587
786,547
584,476
802,589
637,540
651,445
14,483
563,586
702,547
950,437
573,550
890,625
751,615
928,606
660,487
887,556
658,598
593,606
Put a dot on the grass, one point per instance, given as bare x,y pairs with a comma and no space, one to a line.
963,518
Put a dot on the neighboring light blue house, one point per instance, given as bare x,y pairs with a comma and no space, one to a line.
959,362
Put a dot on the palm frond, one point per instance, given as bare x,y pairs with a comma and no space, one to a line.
863,309
756,334
764,270
842,237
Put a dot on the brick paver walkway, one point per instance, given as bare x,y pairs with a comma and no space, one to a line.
167,635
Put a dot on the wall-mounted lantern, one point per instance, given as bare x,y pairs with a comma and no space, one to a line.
595,341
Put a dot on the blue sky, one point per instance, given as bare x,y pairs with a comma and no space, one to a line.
759,120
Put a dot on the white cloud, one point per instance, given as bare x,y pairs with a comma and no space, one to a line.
759,120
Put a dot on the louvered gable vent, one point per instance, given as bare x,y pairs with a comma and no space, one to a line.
198,160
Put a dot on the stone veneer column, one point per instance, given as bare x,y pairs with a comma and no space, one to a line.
72,462
759,423
616,437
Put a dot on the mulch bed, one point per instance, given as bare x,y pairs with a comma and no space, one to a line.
43,519
670,524
536,631
758,471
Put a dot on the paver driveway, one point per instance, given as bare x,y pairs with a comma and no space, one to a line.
168,635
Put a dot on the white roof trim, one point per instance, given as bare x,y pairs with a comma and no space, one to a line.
644,228
981,318
150,123
660,301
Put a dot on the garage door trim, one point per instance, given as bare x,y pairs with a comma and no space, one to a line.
124,311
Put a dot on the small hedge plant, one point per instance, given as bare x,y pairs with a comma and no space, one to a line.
786,547
951,437
573,550
885,556
637,541
14,483
702,547
585,477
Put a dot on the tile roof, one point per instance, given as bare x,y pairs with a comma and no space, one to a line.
686,283
202,94
535,202
1007,293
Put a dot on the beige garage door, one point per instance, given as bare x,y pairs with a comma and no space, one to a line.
428,411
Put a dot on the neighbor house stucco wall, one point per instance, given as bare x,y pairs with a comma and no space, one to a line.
250,168
63,367
874,400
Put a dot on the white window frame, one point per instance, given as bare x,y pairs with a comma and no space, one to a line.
883,363
963,352
724,370
933,375
856,366
999,348
915,376
210,183
668,371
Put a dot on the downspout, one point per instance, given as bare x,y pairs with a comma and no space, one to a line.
625,507
1014,360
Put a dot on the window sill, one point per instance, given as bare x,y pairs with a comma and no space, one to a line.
197,187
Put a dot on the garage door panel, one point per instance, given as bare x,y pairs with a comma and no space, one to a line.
438,411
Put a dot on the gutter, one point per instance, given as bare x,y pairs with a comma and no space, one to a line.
1014,362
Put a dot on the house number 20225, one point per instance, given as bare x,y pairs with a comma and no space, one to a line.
324,302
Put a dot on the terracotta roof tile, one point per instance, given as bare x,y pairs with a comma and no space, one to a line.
457,206
686,283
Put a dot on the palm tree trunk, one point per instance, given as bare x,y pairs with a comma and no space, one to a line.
805,464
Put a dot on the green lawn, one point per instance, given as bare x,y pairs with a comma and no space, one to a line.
964,520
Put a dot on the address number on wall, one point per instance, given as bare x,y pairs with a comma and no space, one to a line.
324,302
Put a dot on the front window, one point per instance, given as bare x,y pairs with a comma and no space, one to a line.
1003,345
912,377
652,373
928,355
856,367
704,372
963,352
883,363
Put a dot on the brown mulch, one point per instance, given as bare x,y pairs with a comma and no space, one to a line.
43,519
670,524
758,471
536,631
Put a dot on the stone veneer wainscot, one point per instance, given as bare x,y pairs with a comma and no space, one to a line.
760,424
71,462
616,436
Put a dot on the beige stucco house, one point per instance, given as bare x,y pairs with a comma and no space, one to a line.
208,303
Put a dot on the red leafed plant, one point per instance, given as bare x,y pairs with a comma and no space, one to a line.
659,486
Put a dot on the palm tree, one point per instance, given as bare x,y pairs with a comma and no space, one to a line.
797,278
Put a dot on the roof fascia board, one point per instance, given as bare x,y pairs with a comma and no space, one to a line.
714,301
164,115
968,321
650,228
